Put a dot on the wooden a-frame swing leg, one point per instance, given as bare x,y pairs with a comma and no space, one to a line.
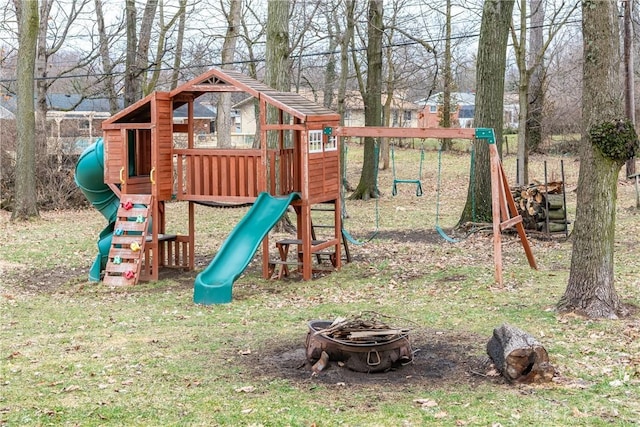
505,214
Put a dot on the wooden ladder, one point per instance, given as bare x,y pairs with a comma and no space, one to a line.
127,243
328,207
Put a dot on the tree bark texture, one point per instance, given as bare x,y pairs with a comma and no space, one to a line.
137,49
533,128
131,83
43,83
342,88
520,48
177,60
447,108
519,356
492,51
368,186
25,196
590,290
278,62
107,64
223,118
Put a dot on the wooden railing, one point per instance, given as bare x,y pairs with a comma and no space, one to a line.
234,175
218,174
282,171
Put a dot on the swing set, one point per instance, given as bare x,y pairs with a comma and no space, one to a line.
345,233
396,180
504,211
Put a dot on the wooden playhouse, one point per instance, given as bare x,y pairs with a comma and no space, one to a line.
298,153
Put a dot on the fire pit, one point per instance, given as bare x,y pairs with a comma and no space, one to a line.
360,345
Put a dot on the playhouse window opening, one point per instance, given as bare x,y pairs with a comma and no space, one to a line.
139,151
331,144
315,141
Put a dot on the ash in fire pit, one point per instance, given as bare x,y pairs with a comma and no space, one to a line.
362,345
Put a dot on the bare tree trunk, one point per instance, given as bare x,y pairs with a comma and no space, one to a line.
529,62
368,186
107,64
590,290
388,105
533,132
278,72
25,199
42,84
344,75
223,117
177,58
520,46
492,51
630,107
253,70
161,45
278,69
131,83
447,108
137,49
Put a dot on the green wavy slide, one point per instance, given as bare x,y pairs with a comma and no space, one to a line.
89,177
215,283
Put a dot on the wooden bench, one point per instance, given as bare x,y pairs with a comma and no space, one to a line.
283,251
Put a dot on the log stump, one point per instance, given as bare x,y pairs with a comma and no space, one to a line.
518,356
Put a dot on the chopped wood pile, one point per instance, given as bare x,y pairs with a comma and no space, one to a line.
541,206
362,331
358,343
518,356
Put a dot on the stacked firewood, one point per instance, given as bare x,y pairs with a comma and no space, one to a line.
541,206
361,331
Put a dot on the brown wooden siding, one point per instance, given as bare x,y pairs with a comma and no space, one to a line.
164,150
114,158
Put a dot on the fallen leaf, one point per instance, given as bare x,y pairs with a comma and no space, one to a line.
246,389
426,403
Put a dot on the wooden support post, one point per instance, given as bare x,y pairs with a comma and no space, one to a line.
504,211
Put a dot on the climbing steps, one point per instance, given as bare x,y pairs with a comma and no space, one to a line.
325,223
127,244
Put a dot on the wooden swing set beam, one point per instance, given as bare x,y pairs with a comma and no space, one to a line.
505,213
385,132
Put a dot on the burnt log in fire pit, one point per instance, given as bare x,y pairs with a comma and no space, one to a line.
361,345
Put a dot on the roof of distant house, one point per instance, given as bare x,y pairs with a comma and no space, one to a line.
200,111
6,114
75,103
353,100
459,98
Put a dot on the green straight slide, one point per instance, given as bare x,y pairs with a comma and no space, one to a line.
89,177
214,284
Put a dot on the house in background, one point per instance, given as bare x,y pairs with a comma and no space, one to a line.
464,103
403,113
511,110
204,120
74,122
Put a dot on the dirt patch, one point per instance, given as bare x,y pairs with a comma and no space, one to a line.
440,359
